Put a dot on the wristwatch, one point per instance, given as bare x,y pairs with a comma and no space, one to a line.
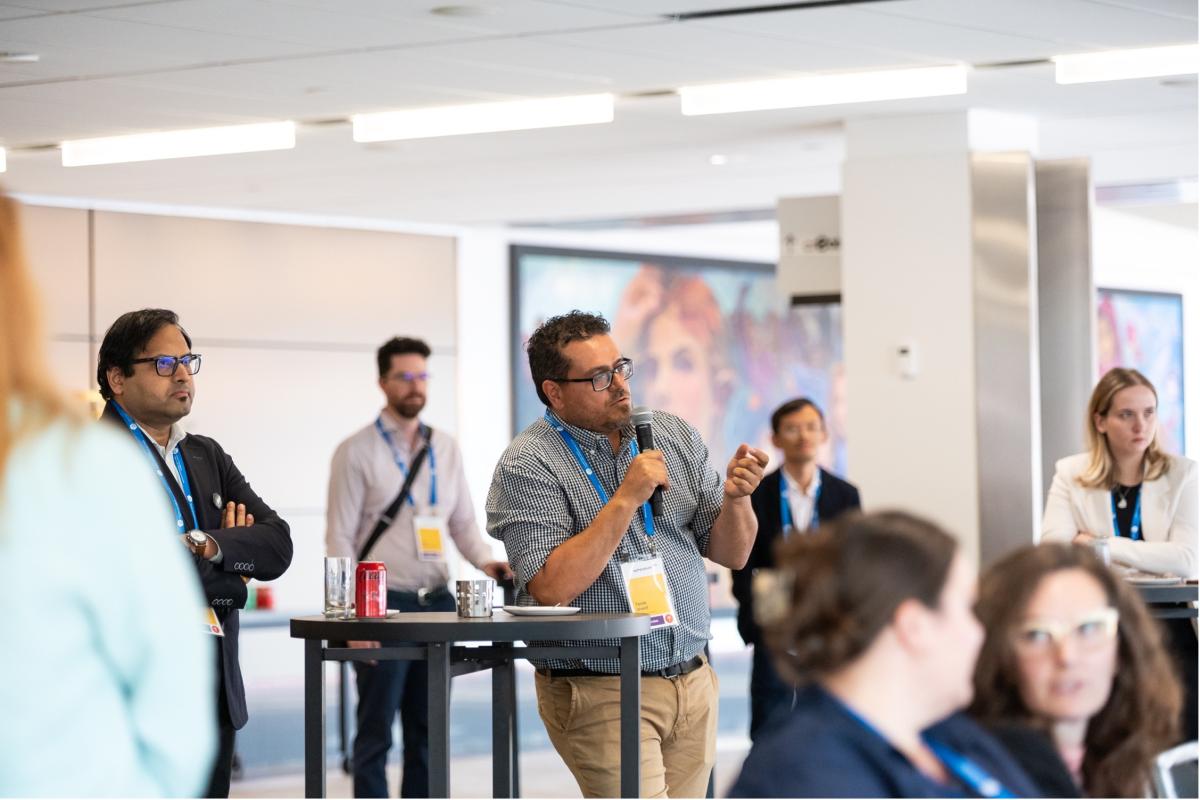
197,541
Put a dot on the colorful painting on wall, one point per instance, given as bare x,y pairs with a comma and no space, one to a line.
1144,330
712,341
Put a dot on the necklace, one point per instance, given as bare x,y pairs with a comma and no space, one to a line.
1123,491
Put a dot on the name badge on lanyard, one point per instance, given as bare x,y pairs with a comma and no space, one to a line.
430,533
212,625
429,530
648,591
180,524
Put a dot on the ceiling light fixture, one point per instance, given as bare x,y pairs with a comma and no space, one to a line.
180,144
519,115
3,160
1119,65
823,90
12,57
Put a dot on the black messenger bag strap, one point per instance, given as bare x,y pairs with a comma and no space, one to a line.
389,515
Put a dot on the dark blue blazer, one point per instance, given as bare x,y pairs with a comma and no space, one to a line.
837,497
821,750
262,550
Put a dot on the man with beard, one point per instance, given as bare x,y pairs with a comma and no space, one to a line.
145,368
369,469
569,501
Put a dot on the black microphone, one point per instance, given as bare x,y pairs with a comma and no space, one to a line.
643,419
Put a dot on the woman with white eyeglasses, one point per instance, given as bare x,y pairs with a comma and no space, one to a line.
1072,651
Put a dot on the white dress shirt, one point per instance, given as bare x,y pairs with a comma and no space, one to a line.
802,501
363,481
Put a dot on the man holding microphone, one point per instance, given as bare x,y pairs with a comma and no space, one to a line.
570,499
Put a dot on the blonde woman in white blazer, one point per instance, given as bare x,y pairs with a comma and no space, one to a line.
1125,488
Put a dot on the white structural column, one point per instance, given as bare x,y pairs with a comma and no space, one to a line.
939,294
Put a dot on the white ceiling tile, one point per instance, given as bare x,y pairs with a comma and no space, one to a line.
133,45
1068,22
696,53
310,29
1183,9
499,17
661,7
903,37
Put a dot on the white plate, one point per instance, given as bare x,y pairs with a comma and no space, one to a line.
1153,580
391,612
541,611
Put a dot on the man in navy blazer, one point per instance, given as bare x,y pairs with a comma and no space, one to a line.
145,369
803,495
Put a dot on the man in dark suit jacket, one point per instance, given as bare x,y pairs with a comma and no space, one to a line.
145,370
807,495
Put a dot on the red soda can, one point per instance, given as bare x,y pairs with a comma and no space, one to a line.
370,590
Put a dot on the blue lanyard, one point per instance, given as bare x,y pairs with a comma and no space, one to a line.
183,478
785,508
967,771
581,459
387,437
974,776
1135,526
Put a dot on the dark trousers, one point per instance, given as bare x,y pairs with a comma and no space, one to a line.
218,784
771,698
384,689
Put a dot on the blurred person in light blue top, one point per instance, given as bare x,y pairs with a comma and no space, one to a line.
107,677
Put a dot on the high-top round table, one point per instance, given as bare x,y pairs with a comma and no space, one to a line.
434,636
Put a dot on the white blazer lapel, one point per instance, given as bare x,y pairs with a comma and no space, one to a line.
1154,510
1100,512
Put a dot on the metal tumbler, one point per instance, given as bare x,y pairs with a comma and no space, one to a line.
474,598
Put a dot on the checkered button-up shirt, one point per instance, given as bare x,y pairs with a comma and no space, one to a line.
540,497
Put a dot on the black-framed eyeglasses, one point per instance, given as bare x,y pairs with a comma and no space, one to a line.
602,380
166,365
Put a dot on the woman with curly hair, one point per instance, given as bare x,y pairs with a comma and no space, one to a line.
1071,650
875,617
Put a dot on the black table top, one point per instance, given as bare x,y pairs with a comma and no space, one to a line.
447,626
1170,593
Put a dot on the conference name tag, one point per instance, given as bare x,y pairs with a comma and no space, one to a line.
430,532
648,593
212,625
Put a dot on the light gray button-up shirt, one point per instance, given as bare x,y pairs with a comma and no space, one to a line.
363,481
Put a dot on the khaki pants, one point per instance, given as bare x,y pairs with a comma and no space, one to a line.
678,731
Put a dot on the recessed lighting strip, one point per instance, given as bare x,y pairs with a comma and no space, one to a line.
824,90
180,144
1120,65
422,123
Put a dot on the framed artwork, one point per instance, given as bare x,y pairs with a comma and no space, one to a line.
1144,330
712,341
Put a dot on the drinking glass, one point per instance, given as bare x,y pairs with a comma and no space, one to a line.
339,587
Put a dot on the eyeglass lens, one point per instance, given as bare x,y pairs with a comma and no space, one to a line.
603,380
166,365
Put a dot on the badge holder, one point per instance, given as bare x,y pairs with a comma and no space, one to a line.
430,532
212,625
648,591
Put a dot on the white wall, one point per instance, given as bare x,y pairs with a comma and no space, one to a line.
1131,250
287,317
